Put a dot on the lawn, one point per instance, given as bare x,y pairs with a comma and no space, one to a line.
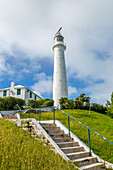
100,123
18,150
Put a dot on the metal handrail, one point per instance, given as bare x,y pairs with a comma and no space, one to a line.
15,107
89,129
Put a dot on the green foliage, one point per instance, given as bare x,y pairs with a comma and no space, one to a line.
71,104
81,102
110,111
49,102
8,103
110,107
101,123
112,99
18,150
34,103
63,103
98,108
40,102
108,103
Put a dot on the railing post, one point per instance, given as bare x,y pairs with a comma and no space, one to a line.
28,113
53,115
39,114
89,142
69,126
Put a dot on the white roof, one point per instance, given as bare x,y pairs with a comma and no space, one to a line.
19,86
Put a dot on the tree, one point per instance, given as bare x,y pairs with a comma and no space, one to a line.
108,103
110,107
112,99
63,103
82,102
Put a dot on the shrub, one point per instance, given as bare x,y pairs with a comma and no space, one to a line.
49,102
40,102
8,103
110,111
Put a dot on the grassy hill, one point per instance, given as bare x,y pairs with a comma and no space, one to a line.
18,150
96,121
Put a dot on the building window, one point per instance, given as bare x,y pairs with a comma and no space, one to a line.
59,38
18,91
35,97
30,94
4,93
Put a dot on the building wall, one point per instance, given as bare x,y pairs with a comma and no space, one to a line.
24,94
28,97
59,79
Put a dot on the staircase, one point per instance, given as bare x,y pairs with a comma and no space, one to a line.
76,153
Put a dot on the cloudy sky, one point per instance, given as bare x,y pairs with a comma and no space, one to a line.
27,29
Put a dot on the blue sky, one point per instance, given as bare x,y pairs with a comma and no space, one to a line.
27,30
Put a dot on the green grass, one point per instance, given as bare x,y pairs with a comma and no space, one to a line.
18,150
102,124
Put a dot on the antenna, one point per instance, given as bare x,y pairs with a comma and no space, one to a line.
58,31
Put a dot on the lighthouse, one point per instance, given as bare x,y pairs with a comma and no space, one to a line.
59,78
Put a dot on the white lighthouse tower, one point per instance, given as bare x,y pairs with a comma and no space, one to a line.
59,79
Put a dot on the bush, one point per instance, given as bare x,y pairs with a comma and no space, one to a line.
63,103
49,102
110,111
40,102
8,103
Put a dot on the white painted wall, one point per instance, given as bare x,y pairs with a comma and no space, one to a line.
25,93
59,79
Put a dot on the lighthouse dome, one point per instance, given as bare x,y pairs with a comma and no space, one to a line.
59,37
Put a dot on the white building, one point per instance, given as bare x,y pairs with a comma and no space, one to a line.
19,92
59,80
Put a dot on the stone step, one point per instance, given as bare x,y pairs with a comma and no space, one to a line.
85,161
94,166
48,124
61,139
76,155
67,144
51,128
72,149
55,132
58,135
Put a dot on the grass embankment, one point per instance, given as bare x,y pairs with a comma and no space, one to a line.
96,121
18,150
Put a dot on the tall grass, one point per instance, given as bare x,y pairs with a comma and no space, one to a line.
18,150
96,121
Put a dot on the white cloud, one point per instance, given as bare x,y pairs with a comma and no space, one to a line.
71,91
44,84
25,71
2,64
5,67
29,26
42,76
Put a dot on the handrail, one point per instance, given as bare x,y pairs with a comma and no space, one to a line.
89,129
15,107
85,126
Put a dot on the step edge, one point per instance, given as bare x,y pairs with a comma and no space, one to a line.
76,153
91,165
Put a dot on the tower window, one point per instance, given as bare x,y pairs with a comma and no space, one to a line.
30,94
18,91
59,38
4,93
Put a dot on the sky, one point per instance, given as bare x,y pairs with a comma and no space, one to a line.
27,30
